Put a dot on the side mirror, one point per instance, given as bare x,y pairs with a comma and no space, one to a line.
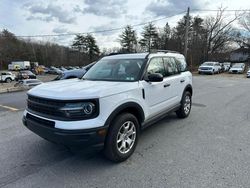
155,77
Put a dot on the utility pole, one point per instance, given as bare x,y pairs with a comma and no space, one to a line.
186,34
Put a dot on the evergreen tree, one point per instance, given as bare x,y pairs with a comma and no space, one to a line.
87,44
149,37
164,37
128,39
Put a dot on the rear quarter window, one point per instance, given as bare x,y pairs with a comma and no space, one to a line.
181,63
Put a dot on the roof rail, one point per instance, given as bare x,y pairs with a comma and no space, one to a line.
119,53
113,53
167,51
161,51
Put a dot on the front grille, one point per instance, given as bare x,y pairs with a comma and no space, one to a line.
234,71
42,122
45,106
52,109
205,68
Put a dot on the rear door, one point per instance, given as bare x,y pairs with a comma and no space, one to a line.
176,78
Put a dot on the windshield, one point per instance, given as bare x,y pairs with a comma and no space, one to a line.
237,66
208,64
115,70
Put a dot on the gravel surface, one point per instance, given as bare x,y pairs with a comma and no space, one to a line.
4,87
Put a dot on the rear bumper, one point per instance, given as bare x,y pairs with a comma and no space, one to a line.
87,138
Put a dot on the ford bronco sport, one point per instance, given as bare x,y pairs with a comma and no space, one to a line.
117,98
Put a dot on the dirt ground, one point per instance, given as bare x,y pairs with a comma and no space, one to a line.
44,78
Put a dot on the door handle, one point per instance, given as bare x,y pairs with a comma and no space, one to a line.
182,81
166,85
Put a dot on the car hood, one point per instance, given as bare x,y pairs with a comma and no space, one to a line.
80,89
205,66
238,69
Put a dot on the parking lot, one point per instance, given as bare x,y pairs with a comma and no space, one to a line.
208,149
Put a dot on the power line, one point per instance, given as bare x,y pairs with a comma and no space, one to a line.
224,10
99,31
135,25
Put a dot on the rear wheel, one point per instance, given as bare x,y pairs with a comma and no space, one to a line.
186,104
122,138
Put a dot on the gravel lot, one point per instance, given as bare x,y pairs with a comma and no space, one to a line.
43,78
208,149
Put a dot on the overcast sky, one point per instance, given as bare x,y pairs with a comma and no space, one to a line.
34,17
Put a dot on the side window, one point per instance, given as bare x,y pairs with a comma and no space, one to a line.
156,66
181,63
3,73
170,66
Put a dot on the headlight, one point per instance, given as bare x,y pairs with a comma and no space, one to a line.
80,110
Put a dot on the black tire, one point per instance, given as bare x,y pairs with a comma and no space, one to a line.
111,150
183,112
8,80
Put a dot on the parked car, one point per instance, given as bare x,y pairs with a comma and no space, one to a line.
63,69
108,111
54,70
70,68
227,66
248,73
209,67
78,73
237,68
28,83
25,75
6,76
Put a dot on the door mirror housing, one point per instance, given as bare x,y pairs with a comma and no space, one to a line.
155,77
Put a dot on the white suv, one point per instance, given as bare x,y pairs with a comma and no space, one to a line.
209,67
6,76
117,98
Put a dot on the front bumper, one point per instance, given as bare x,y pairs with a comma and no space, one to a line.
85,138
209,71
236,71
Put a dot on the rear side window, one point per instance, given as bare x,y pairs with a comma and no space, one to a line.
156,65
182,65
170,66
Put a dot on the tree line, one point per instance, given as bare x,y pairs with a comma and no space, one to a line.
210,38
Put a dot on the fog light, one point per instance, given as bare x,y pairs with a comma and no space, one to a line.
102,132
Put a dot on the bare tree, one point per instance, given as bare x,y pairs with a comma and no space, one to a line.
245,21
244,39
218,32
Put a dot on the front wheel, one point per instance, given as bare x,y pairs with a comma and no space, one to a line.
185,107
122,137
8,80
